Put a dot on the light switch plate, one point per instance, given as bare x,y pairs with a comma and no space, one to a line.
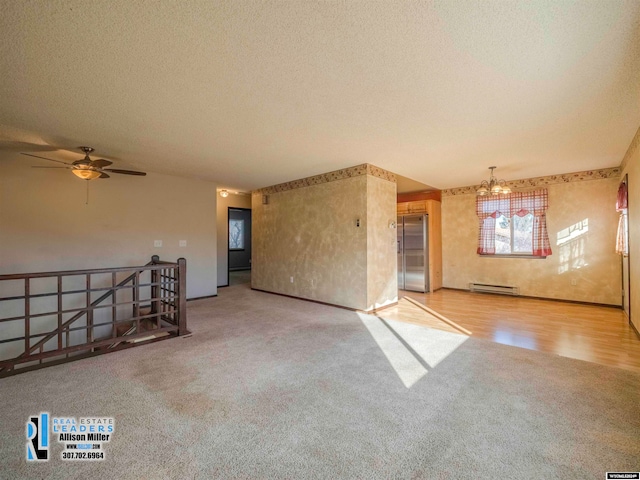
182,243
157,243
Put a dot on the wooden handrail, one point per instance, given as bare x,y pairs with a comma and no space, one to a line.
170,274
77,316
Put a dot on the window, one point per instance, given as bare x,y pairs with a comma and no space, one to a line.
513,224
514,236
236,234
622,204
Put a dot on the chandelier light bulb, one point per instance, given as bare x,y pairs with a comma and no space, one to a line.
493,186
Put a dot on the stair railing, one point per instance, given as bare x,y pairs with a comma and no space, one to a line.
44,335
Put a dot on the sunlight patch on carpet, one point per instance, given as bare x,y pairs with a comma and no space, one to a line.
431,344
412,350
408,368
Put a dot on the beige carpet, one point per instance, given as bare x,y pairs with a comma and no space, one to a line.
239,277
272,387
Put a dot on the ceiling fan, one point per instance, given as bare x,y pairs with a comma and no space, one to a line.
86,168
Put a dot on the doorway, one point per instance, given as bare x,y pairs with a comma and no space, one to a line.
239,249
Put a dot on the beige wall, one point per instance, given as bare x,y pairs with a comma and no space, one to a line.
632,168
222,231
45,224
590,260
311,234
382,275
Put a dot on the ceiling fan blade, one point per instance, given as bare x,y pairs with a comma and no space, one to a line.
104,175
44,158
100,163
124,172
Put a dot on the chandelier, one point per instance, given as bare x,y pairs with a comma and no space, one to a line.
493,186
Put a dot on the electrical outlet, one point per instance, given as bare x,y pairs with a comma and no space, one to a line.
574,282
291,279
157,243
182,243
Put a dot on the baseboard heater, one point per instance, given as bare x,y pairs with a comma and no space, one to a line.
501,289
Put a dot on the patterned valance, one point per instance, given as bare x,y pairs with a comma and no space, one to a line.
490,207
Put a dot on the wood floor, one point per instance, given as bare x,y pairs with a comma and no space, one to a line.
592,333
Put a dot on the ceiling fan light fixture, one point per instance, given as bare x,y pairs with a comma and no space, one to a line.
88,169
85,173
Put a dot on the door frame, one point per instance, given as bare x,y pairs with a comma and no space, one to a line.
228,249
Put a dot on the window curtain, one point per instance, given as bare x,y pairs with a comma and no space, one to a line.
490,207
622,243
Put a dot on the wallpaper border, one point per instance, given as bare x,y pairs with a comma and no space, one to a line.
599,174
356,171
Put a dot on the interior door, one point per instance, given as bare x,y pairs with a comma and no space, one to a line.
415,261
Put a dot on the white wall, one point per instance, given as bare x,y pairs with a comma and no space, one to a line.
45,224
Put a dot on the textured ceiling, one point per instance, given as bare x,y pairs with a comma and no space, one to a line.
253,93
